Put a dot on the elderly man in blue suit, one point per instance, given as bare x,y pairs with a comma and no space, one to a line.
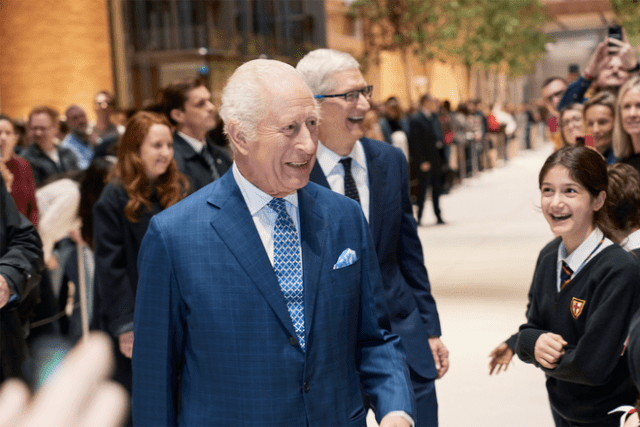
257,300
375,174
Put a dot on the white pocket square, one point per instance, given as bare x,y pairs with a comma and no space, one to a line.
346,258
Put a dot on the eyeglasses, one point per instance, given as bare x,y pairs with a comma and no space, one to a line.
351,96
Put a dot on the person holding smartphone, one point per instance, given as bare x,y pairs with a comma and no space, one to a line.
609,68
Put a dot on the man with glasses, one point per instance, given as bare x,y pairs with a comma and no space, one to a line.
552,90
46,158
375,175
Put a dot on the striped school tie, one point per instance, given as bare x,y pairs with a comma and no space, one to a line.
565,275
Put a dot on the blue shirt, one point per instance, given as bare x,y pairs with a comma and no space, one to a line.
82,150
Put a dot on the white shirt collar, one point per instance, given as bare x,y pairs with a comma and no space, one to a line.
632,241
578,257
197,145
255,198
328,159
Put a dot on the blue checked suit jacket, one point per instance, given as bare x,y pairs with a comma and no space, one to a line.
412,310
214,343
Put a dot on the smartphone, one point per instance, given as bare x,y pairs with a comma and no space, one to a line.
615,32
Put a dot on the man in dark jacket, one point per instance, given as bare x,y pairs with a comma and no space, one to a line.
188,106
375,174
426,161
20,266
47,160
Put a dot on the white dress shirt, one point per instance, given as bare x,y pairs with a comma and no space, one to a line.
334,171
263,216
194,143
583,254
632,241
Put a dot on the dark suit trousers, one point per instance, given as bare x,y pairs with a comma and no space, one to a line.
433,181
426,400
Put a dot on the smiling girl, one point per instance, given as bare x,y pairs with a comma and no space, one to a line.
583,296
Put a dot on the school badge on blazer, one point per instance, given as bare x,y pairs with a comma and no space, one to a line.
576,307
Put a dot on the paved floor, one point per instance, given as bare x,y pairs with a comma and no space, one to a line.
480,265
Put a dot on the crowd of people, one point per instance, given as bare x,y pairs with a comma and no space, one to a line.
225,282
584,301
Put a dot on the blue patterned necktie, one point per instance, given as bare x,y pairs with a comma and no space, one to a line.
287,264
350,189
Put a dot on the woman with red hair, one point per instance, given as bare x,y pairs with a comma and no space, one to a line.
146,181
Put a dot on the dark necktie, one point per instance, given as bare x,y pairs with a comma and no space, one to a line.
211,162
565,275
350,189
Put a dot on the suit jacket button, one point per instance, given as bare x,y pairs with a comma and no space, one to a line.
305,386
293,341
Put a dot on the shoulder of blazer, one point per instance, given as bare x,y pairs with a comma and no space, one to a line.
375,146
181,148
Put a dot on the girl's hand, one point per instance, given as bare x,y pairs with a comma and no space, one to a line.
126,344
549,349
500,357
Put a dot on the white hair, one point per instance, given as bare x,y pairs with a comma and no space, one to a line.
319,65
245,98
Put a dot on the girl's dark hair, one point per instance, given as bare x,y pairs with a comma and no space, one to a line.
624,196
588,168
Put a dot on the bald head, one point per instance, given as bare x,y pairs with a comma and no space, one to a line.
77,120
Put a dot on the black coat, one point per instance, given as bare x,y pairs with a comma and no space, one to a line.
116,242
194,166
44,168
21,263
423,141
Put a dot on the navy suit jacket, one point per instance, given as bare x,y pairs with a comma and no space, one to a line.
193,164
211,320
412,309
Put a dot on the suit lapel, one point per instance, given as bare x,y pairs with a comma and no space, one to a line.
313,233
317,175
233,223
185,148
377,172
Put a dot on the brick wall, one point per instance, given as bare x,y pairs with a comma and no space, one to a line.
54,52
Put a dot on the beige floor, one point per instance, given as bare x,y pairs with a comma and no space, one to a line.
480,265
